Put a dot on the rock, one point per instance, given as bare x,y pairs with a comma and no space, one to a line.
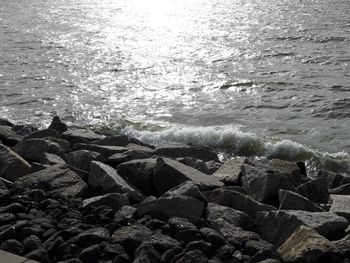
58,125
8,136
39,255
262,179
24,130
139,173
251,247
33,149
293,201
179,223
146,253
32,243
276,226
124,214
178,206
90,254
188,235
169,173
105,150
12,246
42,134
170,254
4,122
343,245
113,200
80,136
213,237
175,150
234,234
216,213
230,172
306,245
12,166
195,256
126,156
333,179
6,218
92,236
115,140
82,159
315,190
225,252
104,179
188,188
51,159
205,247
113,250
341,205
198,164
13,208
130,237
141,147
213,166
341,190
162,242
56,179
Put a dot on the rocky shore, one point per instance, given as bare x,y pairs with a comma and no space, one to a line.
71,195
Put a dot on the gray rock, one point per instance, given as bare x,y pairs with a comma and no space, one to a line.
235,234
33,149
306,245
57,178
12,166
104,179
194,256
42,134
198,164
315,190
58,125
129,155
178,206
341,190
4,122
293,201
170,173
343,245
175,150
178,223
90,254
12,246
115,140
92,236
113,200
333,179
8,136
188,188
51,159
40,255
80,135
82,159
125,214
276,226
162,242
213,166
105,150
230,172
213,237
143,148
139,173
341,205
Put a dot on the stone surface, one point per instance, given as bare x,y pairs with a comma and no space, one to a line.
178,206
82,159
80,135
105,150
113,200
58,125
51,159
6,257
306,245
12,166
8,136
170,173
115,140
198,164
341,205
188,188
92,236
42,134
341,190
343,245
126,156
57,178
293,201
315,190
162,242
104,179
124,214
229,173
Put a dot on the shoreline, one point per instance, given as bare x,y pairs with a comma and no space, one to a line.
72,195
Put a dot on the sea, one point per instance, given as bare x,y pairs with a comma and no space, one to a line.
262,78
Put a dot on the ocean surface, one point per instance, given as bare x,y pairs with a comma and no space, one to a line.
250,77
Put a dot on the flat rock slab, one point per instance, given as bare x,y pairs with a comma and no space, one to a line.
293,201
6,257
12,166
113,200
230,172
170,173
315,190
341,205
58,179
81,135
82,159
341,190
104,179
51,159
105,150
188,188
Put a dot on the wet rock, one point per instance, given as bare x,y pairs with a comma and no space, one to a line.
315,190
39,255
213,166
234,234
293,201
6,218
341,190
12,246
341,205
252,247
13,208
140,173
213,237
113,250
126,156
82,159
162,242
80,136
276,226
104,179
188,188
113,200
55,179
51,159
169,173
58,125
92,236
115,140
105,150
8,136
32,243
230,172
140,146
179,206
333,179
188,235
33,149
179,223
175,150
12,166
4,122
90,254
306,245
198,164
42,134
7,233
124,214
146,253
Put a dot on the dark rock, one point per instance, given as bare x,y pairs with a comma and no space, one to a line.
58,125
333,179
4,122
8,233
293,201
230,172
178,224
195,256
51,159
341,190
234,234
198,164
8,136
122,259
37,195
115,140
55,179
213,237
165,208
187,188
32,243
175,150
13,208
6,218
162,242
264,254
306,245
141,147
169,173
315,190
80,136
90,254
82,159
113,200
52,244
12,166
113,250
252,247
124,214
343,245
42,134
126,156
104,179
92,236
341,205
168,255
39,255
12,246
188,235
213,166
205,247
225,252
146,251
105,150
34,230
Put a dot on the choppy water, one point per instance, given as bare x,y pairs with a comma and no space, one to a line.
266,77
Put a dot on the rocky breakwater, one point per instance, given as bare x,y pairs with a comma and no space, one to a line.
71,195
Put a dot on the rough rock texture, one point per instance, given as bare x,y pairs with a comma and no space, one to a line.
293,201
115,140
188,188
113,200
315,190
82,159
58,125
42,134
341,190
80,135
105,150
8,136
341,205
49,158
230,172
198,164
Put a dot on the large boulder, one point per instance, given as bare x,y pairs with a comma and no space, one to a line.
276,226
175,150
33,149
8,136
43,134
343,245
12,166
113,200
115,140
58,125
170,173
306,245
105,150
80,135
57,179
50,159
340,190
316,190
198,164
104,179
126,156
230,172
188,188
82,159
293,201
341,205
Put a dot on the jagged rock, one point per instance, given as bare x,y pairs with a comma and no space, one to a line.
252,247
230,172
146,253
90,254
340,190
141,147
343,245
170,254
235,234
306,245
113,250
170,173
12,166
113,200
105,150
198,164
293,201
188,188
104,179
4,122
333,179
177,206
276,226
32,243
82,159
8,136
33,149
80,136
139,173
178,223
213,237
216,213
315,190
40,255
162,242
262,179
58,125
124,214
115,140
42,134
175,150
130,237
24,130
92,236
341,205
126,156
51,159
57,178
213,166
